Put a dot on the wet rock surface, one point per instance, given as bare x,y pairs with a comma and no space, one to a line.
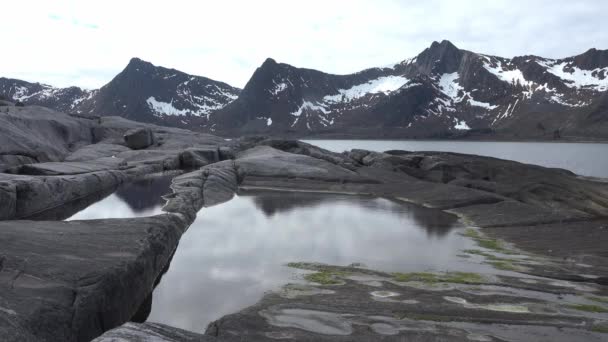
72,281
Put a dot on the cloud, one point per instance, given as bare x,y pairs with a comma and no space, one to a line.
93,40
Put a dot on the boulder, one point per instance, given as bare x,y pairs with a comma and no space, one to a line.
195,158
139,138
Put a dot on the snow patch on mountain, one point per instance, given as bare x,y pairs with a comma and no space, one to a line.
278,87
88,94
485,105
511,76
22,93
450,87
577,78
385,84
165,108
307,105
461,125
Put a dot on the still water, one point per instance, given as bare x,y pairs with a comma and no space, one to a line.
587,159
235,252
135,199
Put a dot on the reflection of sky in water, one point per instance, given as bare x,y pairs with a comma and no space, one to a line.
113,207
136,199
235,251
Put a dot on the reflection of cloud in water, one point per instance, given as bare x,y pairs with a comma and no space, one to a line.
437,223
234,252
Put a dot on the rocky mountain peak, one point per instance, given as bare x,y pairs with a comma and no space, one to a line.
592,59
439,58
138,65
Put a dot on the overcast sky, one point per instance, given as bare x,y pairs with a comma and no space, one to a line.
86,43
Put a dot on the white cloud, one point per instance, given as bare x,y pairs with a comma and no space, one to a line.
87,42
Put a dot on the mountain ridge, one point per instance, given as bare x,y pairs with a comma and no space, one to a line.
444,91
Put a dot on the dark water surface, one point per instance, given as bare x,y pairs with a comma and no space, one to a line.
587,159
135,199
236,251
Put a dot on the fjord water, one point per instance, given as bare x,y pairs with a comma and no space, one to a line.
234,252
586,159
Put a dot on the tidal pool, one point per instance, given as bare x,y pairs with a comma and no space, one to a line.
235,252
135,199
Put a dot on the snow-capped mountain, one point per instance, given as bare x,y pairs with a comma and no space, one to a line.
443,91
141,92
62,99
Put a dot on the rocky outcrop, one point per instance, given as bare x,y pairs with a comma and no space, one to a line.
96,151
139,138
265,161
197,157
148,332
72,281
37,134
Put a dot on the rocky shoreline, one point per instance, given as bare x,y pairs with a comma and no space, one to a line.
77,280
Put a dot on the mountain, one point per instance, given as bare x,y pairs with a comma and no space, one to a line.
141,92
442,92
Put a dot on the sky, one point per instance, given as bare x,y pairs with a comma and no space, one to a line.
86,43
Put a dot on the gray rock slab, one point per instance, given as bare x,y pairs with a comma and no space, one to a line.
266,161
38,193
510,213
40,134
71,281
151,332
166,159
73,168
96,151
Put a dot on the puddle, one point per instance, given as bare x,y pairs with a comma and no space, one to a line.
320,322
237,251
136,199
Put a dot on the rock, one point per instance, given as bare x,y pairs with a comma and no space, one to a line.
194,158
96,151
37,134
71,281
265,161
139,138
40,193
8,200
220,183
511,213
161,159
148,332
72,168
8,161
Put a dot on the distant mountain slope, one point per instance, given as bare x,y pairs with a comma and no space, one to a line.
442,92
141,92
